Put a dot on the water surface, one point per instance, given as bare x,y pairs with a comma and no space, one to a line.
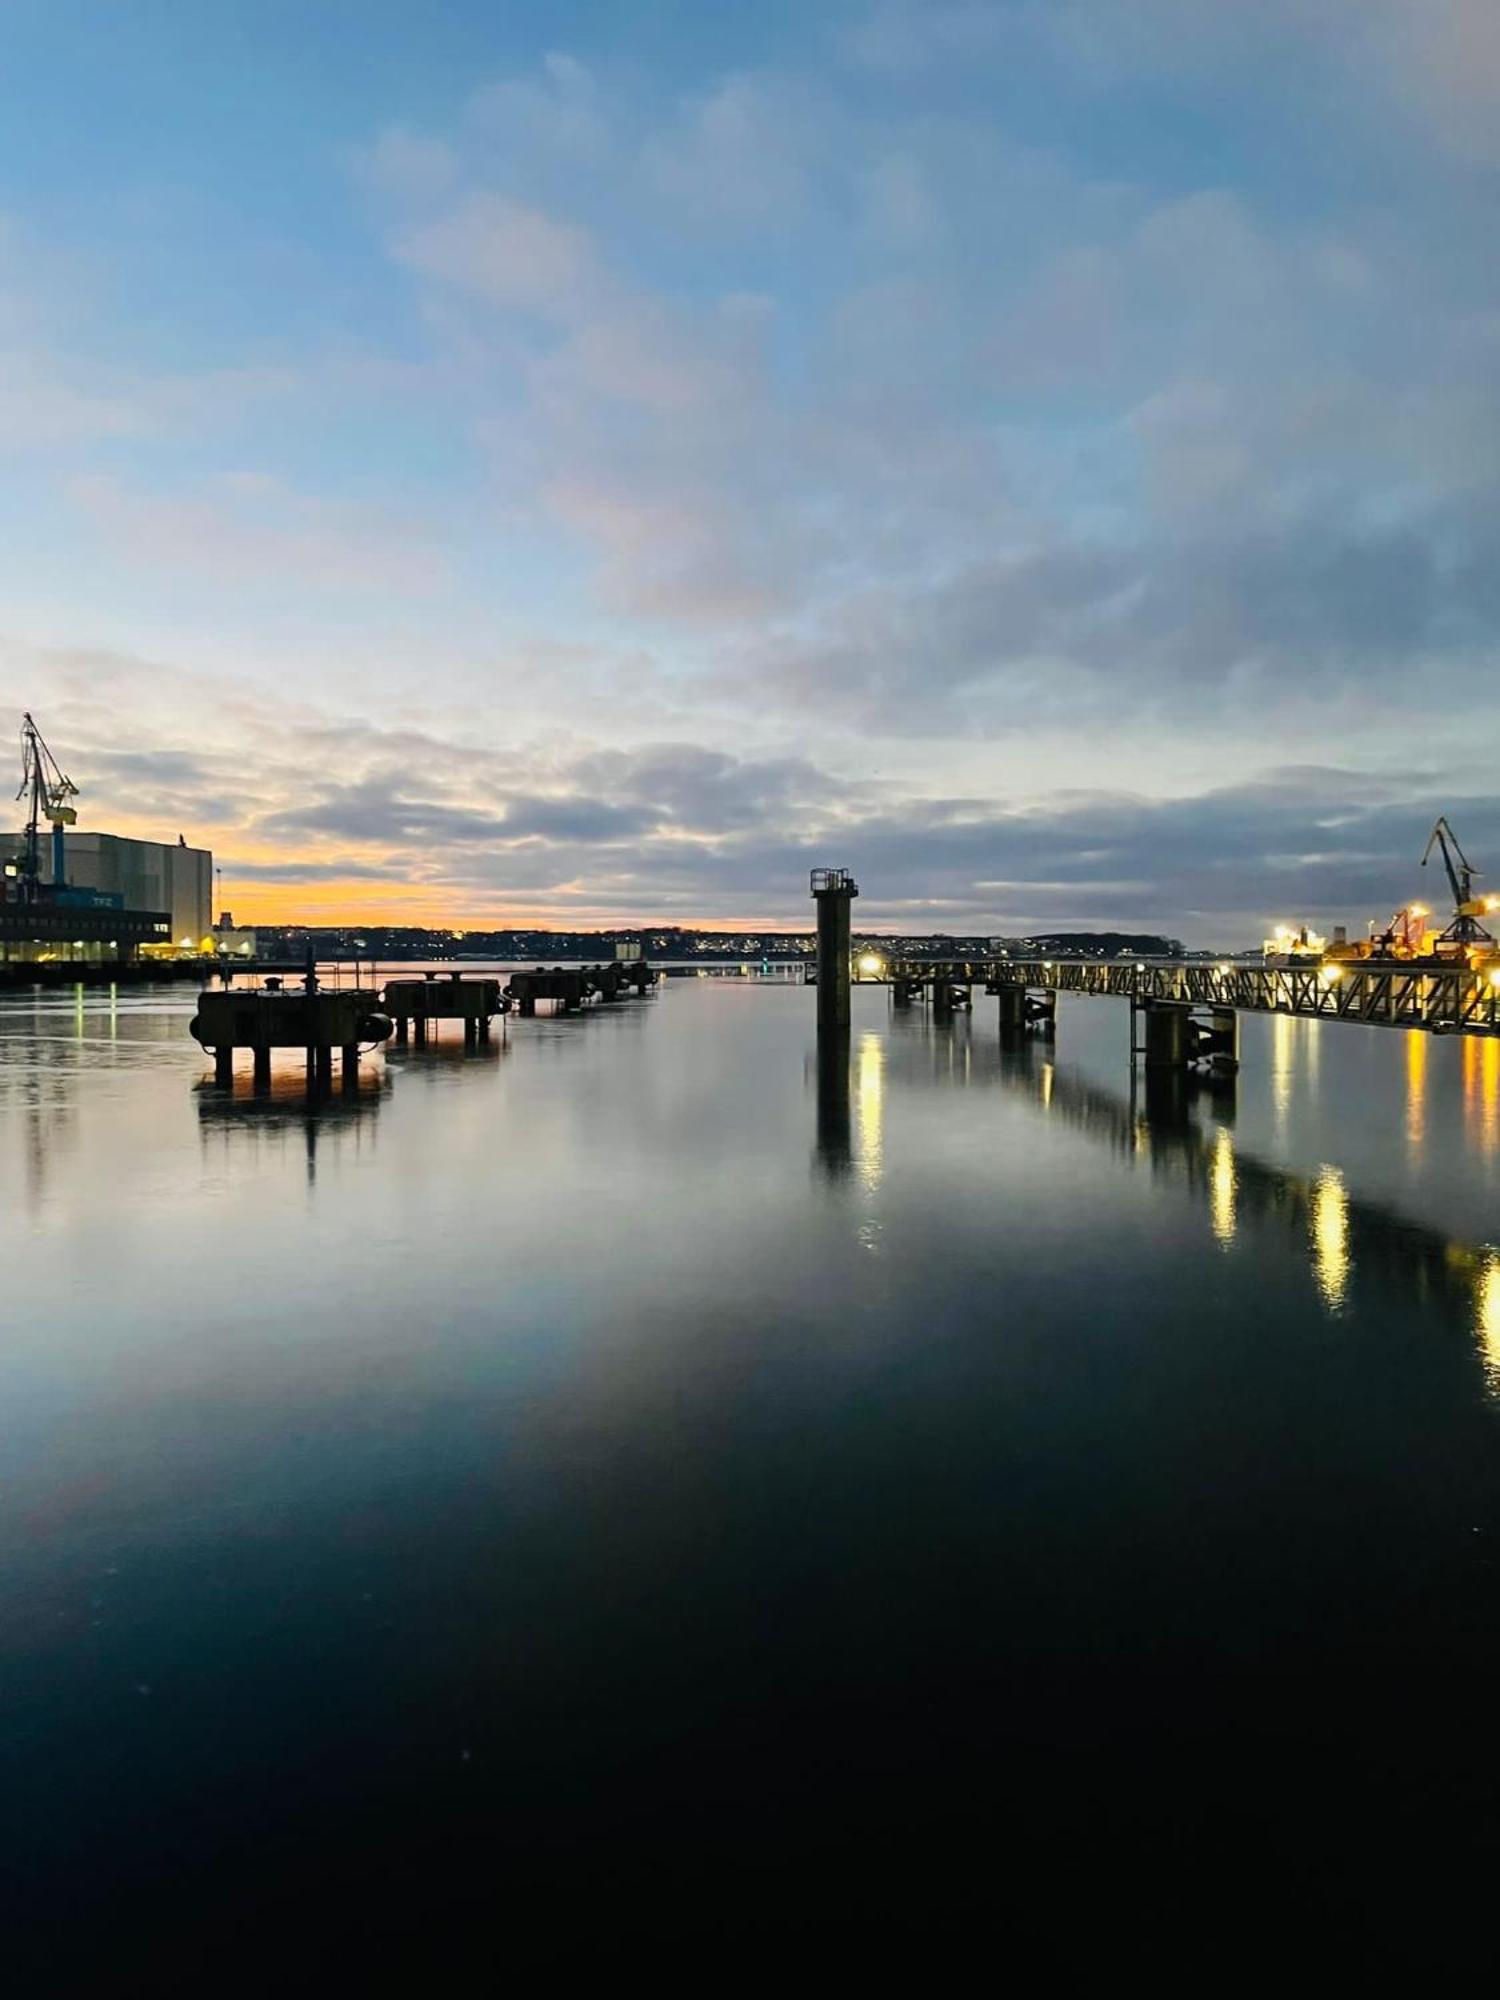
635,1483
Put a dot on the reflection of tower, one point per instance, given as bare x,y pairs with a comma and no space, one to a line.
834,1150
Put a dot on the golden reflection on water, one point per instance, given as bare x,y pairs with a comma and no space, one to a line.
1222,1186
1481,1084
1283,1048
1416,1088
1487,1315
870,1105
1330,1236
1048,1072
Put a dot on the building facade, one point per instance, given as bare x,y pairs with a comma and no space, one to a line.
45,935
146,875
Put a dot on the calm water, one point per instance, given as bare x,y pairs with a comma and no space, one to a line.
625,1485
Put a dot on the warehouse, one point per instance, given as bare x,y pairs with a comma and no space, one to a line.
145,875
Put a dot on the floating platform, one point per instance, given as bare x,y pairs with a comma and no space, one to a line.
268,1018
414,1005
571,987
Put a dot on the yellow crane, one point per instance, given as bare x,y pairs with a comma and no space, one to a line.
1465,936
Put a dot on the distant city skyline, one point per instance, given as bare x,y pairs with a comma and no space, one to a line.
583,465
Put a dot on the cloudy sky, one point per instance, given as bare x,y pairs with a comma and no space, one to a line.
591,462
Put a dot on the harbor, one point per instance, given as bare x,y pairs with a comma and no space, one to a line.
749,994
370,1468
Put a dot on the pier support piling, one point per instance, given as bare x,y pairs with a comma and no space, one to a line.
1179,1035
1222,1044
1167,1037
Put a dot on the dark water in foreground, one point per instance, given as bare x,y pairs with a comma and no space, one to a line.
620,1489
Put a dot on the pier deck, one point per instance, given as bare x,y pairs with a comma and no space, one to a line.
1442,1000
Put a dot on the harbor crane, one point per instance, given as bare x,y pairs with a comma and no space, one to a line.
1465,929
48,790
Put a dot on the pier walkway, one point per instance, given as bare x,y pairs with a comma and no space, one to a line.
1444,1000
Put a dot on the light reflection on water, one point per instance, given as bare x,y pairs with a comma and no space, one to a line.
871,1100
1481,1073
553,1403
1330,1236
1222,1186
1283,1055
1168,1132
1488,1299
1416,1088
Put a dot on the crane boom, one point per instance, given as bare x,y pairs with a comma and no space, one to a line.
48,789
1465,929
1440,837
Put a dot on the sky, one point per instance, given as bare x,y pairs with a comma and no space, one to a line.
590,463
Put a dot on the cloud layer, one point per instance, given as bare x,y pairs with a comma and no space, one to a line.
1045,457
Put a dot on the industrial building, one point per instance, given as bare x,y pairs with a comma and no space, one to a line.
144,875
74,934
93,899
